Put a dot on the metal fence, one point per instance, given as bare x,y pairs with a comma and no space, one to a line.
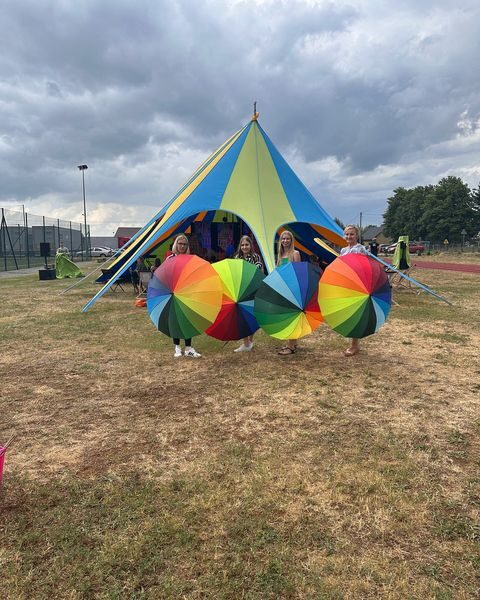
455,247
21,236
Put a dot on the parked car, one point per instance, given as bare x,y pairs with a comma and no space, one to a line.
413,247
97,252
382,248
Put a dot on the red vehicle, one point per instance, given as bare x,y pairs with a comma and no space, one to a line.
413,247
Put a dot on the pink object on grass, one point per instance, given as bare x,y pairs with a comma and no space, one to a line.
2,458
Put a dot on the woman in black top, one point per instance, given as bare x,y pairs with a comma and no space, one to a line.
245,252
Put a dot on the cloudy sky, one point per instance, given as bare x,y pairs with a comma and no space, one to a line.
360,97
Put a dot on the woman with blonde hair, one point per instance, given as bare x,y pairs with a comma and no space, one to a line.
286,249
286,254
181,246
245,252
351,235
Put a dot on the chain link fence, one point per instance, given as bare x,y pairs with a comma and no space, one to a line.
23,236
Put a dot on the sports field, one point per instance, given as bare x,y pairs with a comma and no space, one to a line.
256,476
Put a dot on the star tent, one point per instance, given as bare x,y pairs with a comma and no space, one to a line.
248,177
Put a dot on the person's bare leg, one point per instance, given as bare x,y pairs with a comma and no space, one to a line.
354,348
289,348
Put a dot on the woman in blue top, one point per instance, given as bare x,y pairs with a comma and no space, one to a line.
287,253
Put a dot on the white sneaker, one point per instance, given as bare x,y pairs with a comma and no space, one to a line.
192,353
178,352
244,348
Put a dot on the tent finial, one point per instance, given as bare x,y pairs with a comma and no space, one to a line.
255,113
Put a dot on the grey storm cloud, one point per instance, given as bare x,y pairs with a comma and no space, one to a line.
141,90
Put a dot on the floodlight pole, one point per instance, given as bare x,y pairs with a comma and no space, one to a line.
83,168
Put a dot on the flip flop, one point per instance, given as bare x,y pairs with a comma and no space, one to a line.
286,351
351,351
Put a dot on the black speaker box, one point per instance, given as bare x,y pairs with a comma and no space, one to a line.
45,274
44,249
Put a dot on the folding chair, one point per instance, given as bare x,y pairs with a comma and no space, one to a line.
124,278
145,277
402,262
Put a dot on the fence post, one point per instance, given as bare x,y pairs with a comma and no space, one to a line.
4,244
82,245
28,241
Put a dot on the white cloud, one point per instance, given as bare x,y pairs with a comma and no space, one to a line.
360,97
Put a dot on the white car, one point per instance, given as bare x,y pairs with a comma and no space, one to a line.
97,252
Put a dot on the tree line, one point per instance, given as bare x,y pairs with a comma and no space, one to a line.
434,212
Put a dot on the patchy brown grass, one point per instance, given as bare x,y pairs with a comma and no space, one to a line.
254,476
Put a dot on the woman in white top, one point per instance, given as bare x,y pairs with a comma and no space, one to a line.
181,246
350,233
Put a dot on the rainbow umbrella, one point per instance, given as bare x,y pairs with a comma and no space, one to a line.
286,304
355,295
240,281
184,296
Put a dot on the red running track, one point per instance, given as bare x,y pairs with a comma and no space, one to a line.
459,267
462,267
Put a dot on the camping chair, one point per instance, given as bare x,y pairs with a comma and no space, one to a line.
402,262
124,278
144,277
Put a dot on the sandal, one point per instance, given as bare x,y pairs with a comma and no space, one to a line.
286,351
351,351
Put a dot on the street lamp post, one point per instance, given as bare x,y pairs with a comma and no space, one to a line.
83,168
463,233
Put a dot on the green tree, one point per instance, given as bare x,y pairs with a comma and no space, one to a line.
475,199
448,209
404,212
392,217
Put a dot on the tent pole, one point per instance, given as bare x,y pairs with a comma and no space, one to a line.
414,281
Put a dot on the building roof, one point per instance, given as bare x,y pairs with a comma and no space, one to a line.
127,232
372,231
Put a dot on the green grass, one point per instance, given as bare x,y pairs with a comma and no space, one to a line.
254,476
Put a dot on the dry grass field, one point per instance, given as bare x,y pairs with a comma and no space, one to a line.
253,476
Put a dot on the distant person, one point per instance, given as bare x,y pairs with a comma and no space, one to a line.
316,264
138,276
135,277
245,252
373,247
351,235
156,263
63,250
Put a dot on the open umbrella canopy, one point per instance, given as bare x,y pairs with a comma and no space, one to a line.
184,296
240,281
286,304
355,295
